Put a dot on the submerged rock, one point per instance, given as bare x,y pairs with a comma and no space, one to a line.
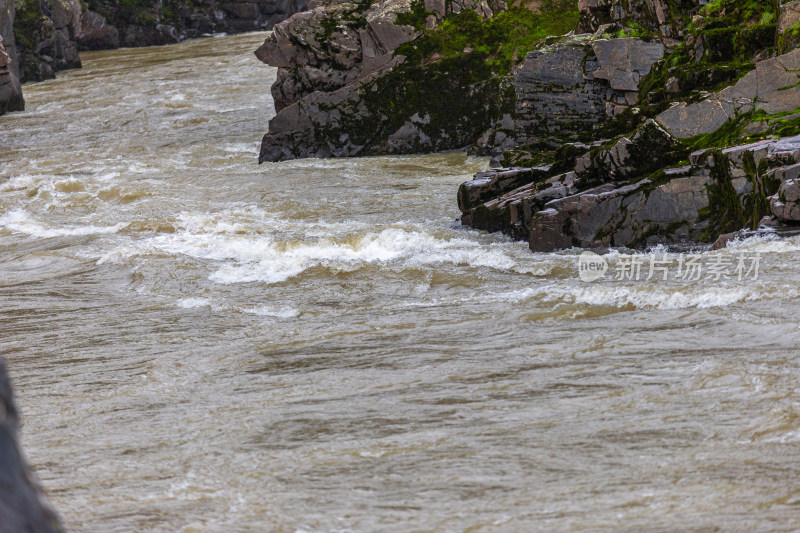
23,505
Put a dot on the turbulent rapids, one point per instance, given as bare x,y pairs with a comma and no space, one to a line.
200,343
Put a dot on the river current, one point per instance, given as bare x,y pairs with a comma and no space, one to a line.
200,343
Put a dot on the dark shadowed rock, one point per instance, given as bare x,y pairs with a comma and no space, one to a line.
10,89
566,91
48,38
23,505
720,191
786,204
96,33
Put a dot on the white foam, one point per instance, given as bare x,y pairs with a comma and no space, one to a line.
191,303
20,221
285,312
19,183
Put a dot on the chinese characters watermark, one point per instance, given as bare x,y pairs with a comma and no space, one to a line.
676,267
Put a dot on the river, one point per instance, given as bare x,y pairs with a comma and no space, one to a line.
203,344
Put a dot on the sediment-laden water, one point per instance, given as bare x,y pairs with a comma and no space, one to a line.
200,343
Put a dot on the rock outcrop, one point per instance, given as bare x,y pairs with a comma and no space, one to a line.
772,88
10,90
23,505
46,33
50,33
567,90
364,79
110,24
718,191
656,16
713,130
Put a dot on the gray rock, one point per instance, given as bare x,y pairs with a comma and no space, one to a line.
10,88
790,15
624,62
786,204
567,90
96,33
678,205
23,505
648,149
494,183
773,87
52,45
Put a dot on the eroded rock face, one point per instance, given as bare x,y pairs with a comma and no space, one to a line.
96,33
566,91
110,24
773,87
50,33
653,15
718,192
10,89
23,505
786,204
339,80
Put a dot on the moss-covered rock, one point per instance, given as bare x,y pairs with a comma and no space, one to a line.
46,32
10,89
398,77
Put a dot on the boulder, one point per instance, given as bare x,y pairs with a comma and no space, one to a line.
786,204
96,33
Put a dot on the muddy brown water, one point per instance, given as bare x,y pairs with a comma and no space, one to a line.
200,343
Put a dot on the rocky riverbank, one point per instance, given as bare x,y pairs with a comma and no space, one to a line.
650,122
23,505
45,36
712,146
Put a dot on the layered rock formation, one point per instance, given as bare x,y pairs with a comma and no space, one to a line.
10,90
686,171
361,79
636,128
567,90
23,505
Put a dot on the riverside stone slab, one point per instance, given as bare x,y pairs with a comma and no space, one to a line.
773,87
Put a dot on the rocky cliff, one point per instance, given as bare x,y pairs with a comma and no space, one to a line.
400,76
655,121
46,32
10,90
50,33
679,144
23,505
113,23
